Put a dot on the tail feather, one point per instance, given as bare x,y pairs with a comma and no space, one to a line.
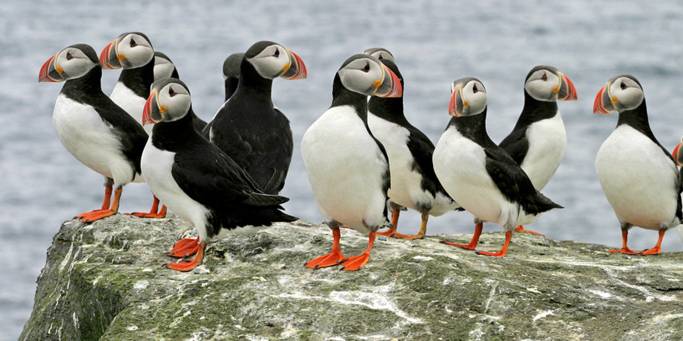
540,203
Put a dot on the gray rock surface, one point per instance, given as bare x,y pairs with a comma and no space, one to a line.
107,281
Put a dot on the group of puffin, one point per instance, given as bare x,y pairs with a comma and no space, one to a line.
362,156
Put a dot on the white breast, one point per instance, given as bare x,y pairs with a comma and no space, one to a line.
638,179
345,168
91,140
156,168
131,103
460,165
406,189
547,142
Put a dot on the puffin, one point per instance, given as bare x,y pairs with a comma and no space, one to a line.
413,182
165,68
480,175
247,127
347,167
538,140
95,130
638,176
134,54
197,180
231,73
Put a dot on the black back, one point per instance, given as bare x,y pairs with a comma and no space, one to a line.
213,179
255,134
503,170
88,90
516,143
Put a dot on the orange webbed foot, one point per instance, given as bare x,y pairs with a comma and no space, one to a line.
150,215
492,254
184,248
651,252
624,250
190,265
334,258
463,246
388,233
408,236
521,229
95,215
355,263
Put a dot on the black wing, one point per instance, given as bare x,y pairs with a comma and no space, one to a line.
516,145
198,123
213,179
131,134
422,150
514,183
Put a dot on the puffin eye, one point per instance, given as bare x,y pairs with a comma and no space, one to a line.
69,56
276,53
475,89
623,85
171,92
133,43
544,77
366,68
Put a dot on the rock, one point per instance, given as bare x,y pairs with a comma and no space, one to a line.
107,281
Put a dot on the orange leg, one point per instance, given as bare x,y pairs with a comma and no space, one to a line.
184,248
658,248
106,200
154,212
624,245
503,251
473,243
521,229
355,263
101,214
395,212
420,234
335,257
185,266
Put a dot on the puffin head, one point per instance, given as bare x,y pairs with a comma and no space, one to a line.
128,51
380,53
548,84
366,75
69,63
621,93
163,67
468,97
169,100
231,66
272,60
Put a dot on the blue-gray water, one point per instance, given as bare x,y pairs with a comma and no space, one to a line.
435,42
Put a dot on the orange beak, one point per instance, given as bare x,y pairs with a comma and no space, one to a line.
599,102
674,154
571,89
297,68
146,117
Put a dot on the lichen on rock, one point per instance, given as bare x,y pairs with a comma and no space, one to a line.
107,281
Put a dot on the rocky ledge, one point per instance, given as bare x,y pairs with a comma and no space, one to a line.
107,281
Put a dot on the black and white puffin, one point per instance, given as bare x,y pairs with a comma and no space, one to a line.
413,182
199,182
231,73
479,174
164,68
91,126
538,140
347,167
639,177
248,128
134,54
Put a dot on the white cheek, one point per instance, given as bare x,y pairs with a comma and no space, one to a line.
630,98
539,89
356,80
162,71
137,56
477,102
268,67
76,67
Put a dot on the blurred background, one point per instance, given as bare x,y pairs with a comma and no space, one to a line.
434,42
